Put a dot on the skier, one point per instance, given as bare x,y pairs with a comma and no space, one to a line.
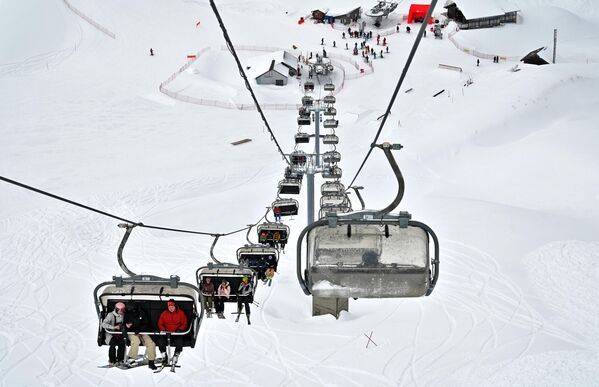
324,53
408,29
397,28
477,62
381,54
269,275
384,41
222,293
387,50
136,321
346,46
343,35
208,293
172,320
114,321
334,44
322,41
378,39
244,293
151,52
277,212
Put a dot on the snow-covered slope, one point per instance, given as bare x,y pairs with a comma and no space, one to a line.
504,171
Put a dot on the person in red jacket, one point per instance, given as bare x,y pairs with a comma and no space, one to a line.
172,320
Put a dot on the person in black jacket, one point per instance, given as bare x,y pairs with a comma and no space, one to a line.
136,321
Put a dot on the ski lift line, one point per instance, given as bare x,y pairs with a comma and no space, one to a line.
242,73
129,222
399,84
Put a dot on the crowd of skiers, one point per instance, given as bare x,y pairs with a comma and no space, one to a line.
125,324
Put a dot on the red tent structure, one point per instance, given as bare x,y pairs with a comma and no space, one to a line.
418,13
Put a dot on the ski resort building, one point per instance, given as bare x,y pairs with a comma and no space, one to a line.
471,14
274,68
350,13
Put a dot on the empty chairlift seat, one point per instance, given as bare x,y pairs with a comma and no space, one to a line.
258,258
307,101
330,139
309,86
328,99
330,123
288,207
369,261
333,199
273,234
332,172
292,173
302,138
304,120
331,157
290,187
329,87
332,187
150,294
330,111
233,274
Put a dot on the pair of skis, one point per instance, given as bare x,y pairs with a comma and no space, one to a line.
173,364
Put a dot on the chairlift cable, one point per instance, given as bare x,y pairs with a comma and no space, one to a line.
247,83
399,84
137,224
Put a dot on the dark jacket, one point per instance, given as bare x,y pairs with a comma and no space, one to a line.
139,318
208,289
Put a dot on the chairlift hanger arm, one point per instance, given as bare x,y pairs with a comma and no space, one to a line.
128,228
387,147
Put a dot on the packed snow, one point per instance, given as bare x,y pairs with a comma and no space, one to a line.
502,165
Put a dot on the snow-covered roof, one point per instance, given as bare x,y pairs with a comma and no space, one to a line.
474,9
347,7
261,64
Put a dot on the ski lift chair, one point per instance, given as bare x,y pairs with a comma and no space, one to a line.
273,234
332,187
292,173
332,172
289,207
303,120
331,157
333,199
309,86
329,87
302,138
330,139
290,187
330,111
328,99
258,258
368,254
150,293
307,101
298,158
233,274
331,123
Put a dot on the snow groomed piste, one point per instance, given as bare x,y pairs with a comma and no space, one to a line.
365,254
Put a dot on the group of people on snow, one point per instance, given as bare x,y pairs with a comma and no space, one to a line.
125,324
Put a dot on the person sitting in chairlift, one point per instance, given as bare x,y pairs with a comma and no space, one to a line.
114,321
172,320
136,321
370,259
269,275
277,211
208,293
223,292
244,293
